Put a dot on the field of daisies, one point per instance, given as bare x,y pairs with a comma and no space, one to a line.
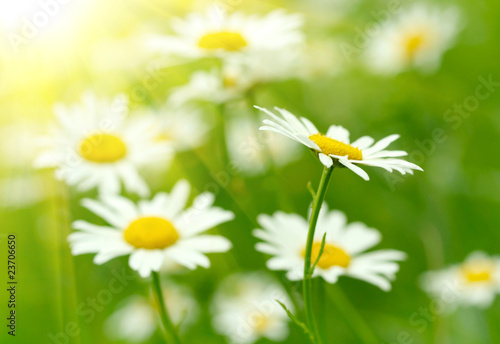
245,172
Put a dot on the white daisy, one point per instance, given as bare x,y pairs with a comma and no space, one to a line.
335,146
475,282
250,150
285,235
216,33
95,145
416,38
152,231
245,308
135,320
210,86
181,127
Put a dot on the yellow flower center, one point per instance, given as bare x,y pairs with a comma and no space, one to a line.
164,136
151,233
478,273
230,41
261,322
229,81
332,256
103,148
413,43
332,146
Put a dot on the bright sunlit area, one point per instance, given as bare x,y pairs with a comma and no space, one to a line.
249,172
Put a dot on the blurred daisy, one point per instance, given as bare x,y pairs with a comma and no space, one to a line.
475,282
210,86
245,308
152,231
216,33
251,150
417,38
136,319
285,235
335,146
180,127
95,145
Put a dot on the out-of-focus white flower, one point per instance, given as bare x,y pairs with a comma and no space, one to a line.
136,319
152,231
475,282
336,148
95,145
251,149
217,33
320,58
240,75
180,127
418,37
285,237
245,309
210,86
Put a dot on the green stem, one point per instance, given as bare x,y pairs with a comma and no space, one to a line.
170,331
306,286
351,315
224,155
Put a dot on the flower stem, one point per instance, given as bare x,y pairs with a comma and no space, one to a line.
171,332
224,155
306,286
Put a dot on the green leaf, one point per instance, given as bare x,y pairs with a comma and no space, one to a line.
311,270
297,321
311,190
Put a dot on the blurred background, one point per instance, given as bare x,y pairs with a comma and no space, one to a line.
438,217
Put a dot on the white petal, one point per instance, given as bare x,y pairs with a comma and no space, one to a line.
338,133
178,198
382,144
359,171
206,243
325,160
104,212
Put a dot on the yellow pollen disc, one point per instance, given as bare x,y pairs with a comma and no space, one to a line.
261,323
103,148
413,43
229,81
151,233
164,136
478,273
332,146
332,256
230,41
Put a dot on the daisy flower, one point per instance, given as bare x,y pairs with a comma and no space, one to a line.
250,149
344,251
245,309
153,230
217,33
475,282
335,146
93,144
210,86
180,127
416,38
135,320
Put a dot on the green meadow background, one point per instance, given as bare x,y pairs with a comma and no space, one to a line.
438,217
